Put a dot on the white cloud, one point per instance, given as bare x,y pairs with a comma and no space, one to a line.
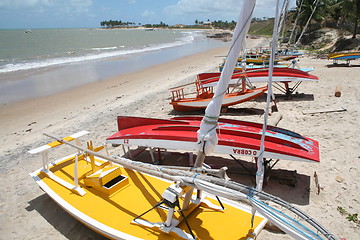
42,5
20,4
219,10
148,13
209,7
79,6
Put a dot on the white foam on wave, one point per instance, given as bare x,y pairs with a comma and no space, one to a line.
49,62
105,48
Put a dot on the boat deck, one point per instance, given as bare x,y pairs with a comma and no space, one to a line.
110,212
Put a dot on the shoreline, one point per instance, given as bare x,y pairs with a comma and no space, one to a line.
30,117
47,80
27,213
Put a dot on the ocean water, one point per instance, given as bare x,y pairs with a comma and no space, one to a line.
50,47
41,62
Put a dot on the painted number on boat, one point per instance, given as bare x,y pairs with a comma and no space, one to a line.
244,152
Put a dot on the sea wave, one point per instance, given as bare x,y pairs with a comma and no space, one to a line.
97,54
106,48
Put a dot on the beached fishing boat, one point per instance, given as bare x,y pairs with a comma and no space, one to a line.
204,95
238,138
284,75
121,201
239,66
257,59
344,56
347,56
259,75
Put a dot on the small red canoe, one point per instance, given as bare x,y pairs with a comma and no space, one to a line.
235,137
259,75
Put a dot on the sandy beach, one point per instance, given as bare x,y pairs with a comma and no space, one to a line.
26,212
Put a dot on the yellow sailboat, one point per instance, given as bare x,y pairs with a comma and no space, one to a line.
122,203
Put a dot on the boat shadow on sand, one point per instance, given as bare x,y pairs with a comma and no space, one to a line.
342,65
296,97
58,218
287,184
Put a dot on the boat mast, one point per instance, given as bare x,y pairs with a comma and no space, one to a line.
260,160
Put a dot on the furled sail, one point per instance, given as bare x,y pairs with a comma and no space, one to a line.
207,138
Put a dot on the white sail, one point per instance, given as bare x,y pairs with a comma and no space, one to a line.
207,137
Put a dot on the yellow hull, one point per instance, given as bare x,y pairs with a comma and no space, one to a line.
349,55
108,204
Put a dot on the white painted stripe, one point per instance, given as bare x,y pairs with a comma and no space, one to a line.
39,149
79,134
44,147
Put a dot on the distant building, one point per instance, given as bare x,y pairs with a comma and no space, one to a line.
179,26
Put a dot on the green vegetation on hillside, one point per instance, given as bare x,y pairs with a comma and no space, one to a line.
301,22
261,27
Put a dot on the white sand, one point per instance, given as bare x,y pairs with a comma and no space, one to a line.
27,213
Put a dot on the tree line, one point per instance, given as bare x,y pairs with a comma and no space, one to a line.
115,23
307,14
341,14
161,25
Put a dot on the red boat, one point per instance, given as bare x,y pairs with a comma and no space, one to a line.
235,137
204,95
259,75
237,94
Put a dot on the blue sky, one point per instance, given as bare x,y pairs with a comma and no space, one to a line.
89,13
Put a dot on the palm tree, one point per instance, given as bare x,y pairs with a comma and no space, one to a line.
351,9
344,12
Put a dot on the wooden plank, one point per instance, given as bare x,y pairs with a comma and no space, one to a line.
338,91
318,187
329,110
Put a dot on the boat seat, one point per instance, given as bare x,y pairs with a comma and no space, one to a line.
205,95
107,180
